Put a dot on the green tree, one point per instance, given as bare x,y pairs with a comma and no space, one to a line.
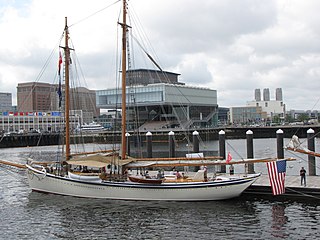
289,118
276,119
303,117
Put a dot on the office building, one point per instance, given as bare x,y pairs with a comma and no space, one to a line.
39,97
257,95
170,105
247,115
266,94
279,94
5,101
271,107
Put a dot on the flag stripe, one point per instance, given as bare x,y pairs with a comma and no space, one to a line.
277,174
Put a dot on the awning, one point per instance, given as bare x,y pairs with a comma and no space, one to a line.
88,163
98,160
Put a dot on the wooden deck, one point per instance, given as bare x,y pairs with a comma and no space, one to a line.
294,190
291,181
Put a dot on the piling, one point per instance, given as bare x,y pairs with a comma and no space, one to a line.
249,135
311,147
280,150
128,139
149,144
195,140
171,144
222,148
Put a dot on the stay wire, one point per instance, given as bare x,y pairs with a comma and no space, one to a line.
303,194
91,15
234,150
44,67
303,159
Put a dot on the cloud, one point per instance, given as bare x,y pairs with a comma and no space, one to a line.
231,46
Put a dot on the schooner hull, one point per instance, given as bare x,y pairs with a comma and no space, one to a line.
199,191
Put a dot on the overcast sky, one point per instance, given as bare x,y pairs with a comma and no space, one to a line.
228,45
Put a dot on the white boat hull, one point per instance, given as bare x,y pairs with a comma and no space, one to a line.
199,191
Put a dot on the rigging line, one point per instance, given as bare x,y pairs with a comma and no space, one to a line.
133,90
315,104
303,159
2,138
305,140
42,70
142,33
153,61
47,61
148,55
140,29
303,194
238,154
309,116
91,15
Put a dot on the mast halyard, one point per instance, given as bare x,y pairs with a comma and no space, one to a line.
67,94
123,93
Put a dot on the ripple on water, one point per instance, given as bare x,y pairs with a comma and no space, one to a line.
28,215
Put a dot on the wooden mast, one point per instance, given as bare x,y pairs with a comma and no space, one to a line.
123,93
67,94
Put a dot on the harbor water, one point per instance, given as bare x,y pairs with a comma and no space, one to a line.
30,215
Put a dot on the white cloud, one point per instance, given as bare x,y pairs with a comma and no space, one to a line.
231,46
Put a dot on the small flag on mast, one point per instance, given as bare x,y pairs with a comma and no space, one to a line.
59,91
229,157
277,174
59,63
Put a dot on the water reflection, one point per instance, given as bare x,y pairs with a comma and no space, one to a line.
279,219
30,215
75,217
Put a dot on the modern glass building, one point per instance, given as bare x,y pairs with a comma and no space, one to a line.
175,105
247,115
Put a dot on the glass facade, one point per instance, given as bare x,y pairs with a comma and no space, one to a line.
165,102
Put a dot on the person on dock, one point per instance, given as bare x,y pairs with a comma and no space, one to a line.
303,176
178,175
205,173
231,169
160,175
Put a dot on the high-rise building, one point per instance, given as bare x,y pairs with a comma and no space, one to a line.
5,101
266,94
279,94
36,96
257,95
271,107
83,99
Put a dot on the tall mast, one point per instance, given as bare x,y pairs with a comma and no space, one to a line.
67,97
124,66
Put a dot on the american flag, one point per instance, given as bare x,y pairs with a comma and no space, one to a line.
277,174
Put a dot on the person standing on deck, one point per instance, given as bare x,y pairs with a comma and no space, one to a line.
231,169
303,176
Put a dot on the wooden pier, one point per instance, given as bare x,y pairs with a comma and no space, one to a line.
294,190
